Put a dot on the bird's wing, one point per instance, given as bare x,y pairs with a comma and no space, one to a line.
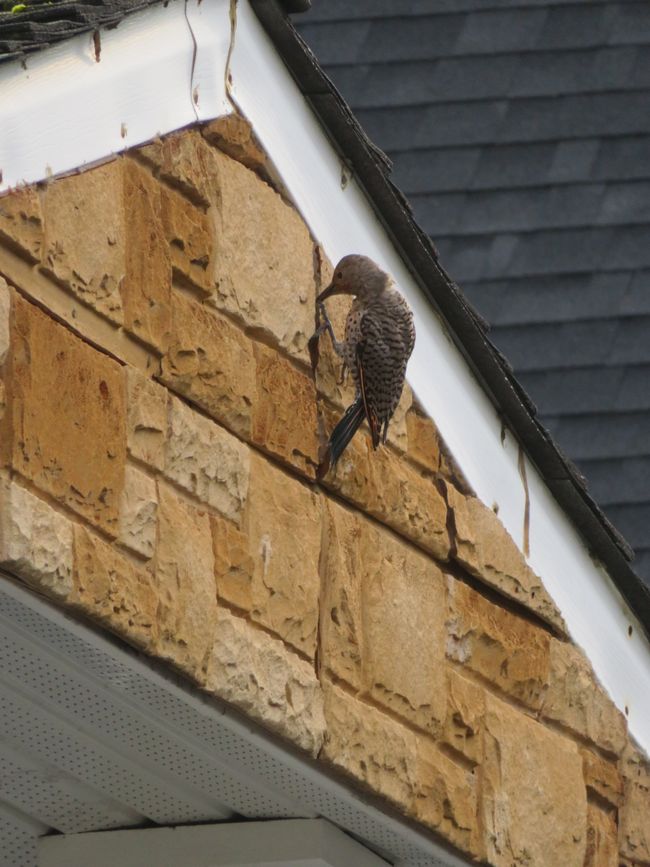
367,327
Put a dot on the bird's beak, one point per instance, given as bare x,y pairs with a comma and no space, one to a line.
326,293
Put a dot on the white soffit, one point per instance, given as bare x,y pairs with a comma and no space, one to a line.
164,68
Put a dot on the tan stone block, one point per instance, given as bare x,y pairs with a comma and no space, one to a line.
21,221
68,416
446,798
187,592
576,700
264,258
211,362
260,676
634,825
602,846
146,418
138,513
423,441
369,746
465,714
285,418
602,777
109,588
5,314
84,245
390,489
206,460
331,380
234,135
35,540
179,159
234,564
146,290
486,549
284,529
505,649
533,801
190,234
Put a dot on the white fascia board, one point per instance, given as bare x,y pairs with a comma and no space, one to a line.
166,67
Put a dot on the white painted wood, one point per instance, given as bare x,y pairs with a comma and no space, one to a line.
284,843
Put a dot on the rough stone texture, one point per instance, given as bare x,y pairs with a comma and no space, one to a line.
179,159
328,372
423,441
576,700
21,222
109,588
284,529
370,746
257,674
634,826
285,418
602,778
500,646
146,290
234,564
187,593
35,540
190,235
84,244
486,549
67,417
463,726
392,490
602,846
5,313
533,802
146,419
206,460
234,135
138,512
447,798
381,594
211,362
264,257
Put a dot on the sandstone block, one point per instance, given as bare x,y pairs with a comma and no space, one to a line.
84,244
68,417
190,235
138,513
370,747
146,290
264,260
285,420
187,593
602,778
5,313
234,135
533,802
206,460
602,846
109,588
577,700
234,564
634,827
463,725
146,419
502,647
330,379
284,529
391,490
21,222
211,362
446,798
179,159
423,441
35,540
257,674
486,549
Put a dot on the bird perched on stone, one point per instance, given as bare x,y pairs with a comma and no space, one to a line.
379,339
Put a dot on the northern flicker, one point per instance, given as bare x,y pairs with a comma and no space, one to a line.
379,339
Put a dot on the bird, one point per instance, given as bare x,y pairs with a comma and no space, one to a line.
379,339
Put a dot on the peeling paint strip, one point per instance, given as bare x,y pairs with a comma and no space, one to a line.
521,464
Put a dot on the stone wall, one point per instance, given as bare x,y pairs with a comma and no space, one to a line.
160,429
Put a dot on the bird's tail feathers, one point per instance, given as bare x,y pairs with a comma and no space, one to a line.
342,434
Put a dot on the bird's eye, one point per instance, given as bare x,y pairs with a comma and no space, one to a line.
339,275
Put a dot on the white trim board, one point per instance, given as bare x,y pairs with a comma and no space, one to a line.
343,221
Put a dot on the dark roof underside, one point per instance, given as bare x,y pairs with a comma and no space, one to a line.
520,133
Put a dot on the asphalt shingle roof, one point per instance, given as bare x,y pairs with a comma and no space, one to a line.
520,132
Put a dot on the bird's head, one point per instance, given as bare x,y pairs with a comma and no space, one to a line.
356,275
